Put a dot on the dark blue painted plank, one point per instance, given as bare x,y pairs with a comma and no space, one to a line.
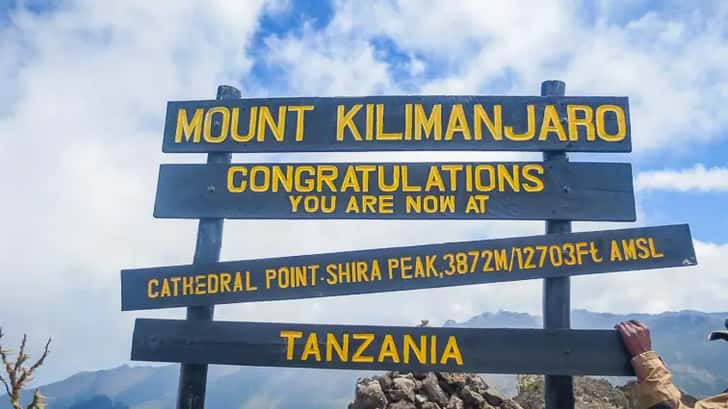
408,268
509,190
491,350
381,123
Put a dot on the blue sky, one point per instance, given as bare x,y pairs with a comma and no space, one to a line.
701,209
84,85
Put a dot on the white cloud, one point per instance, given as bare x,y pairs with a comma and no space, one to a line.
670,65
319,63
698,178
84,89
701,287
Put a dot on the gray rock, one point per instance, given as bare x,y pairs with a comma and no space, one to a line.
432,389
477,384
402,404
493,397
369,395
385,381
455,403
449,389
472,398
453,379
403,388
510,404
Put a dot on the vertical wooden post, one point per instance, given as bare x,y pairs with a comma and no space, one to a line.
558,390
193,377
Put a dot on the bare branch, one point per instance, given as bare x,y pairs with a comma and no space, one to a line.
43,357
23,343
8,365
38,401
27,373
3,352
5,383
22,357
18,375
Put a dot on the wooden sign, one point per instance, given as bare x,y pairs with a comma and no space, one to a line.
448,190
408,268
390,123
418,349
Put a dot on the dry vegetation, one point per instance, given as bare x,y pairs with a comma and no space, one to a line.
19,374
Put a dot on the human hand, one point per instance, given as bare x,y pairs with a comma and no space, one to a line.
635,337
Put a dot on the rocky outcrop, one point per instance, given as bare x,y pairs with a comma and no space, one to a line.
589,393
432,390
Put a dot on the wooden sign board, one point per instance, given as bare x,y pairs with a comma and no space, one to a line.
390,123
408,268
418,349
448,190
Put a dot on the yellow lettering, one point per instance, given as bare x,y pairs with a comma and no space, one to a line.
346,120
457,123
407,122
419,352
225,280
630,252
304,185
551,123
300,111
495,125
188,129
574,121
434,180
602,127
532,173
332,344
388,350
257,185
452,351
643,252
381,135
615,253
234,127
266,121
152,291
166,292
653,249
431,124
290,336
232,186
530,131
327,175
358,355
224,125
311,348
238,283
